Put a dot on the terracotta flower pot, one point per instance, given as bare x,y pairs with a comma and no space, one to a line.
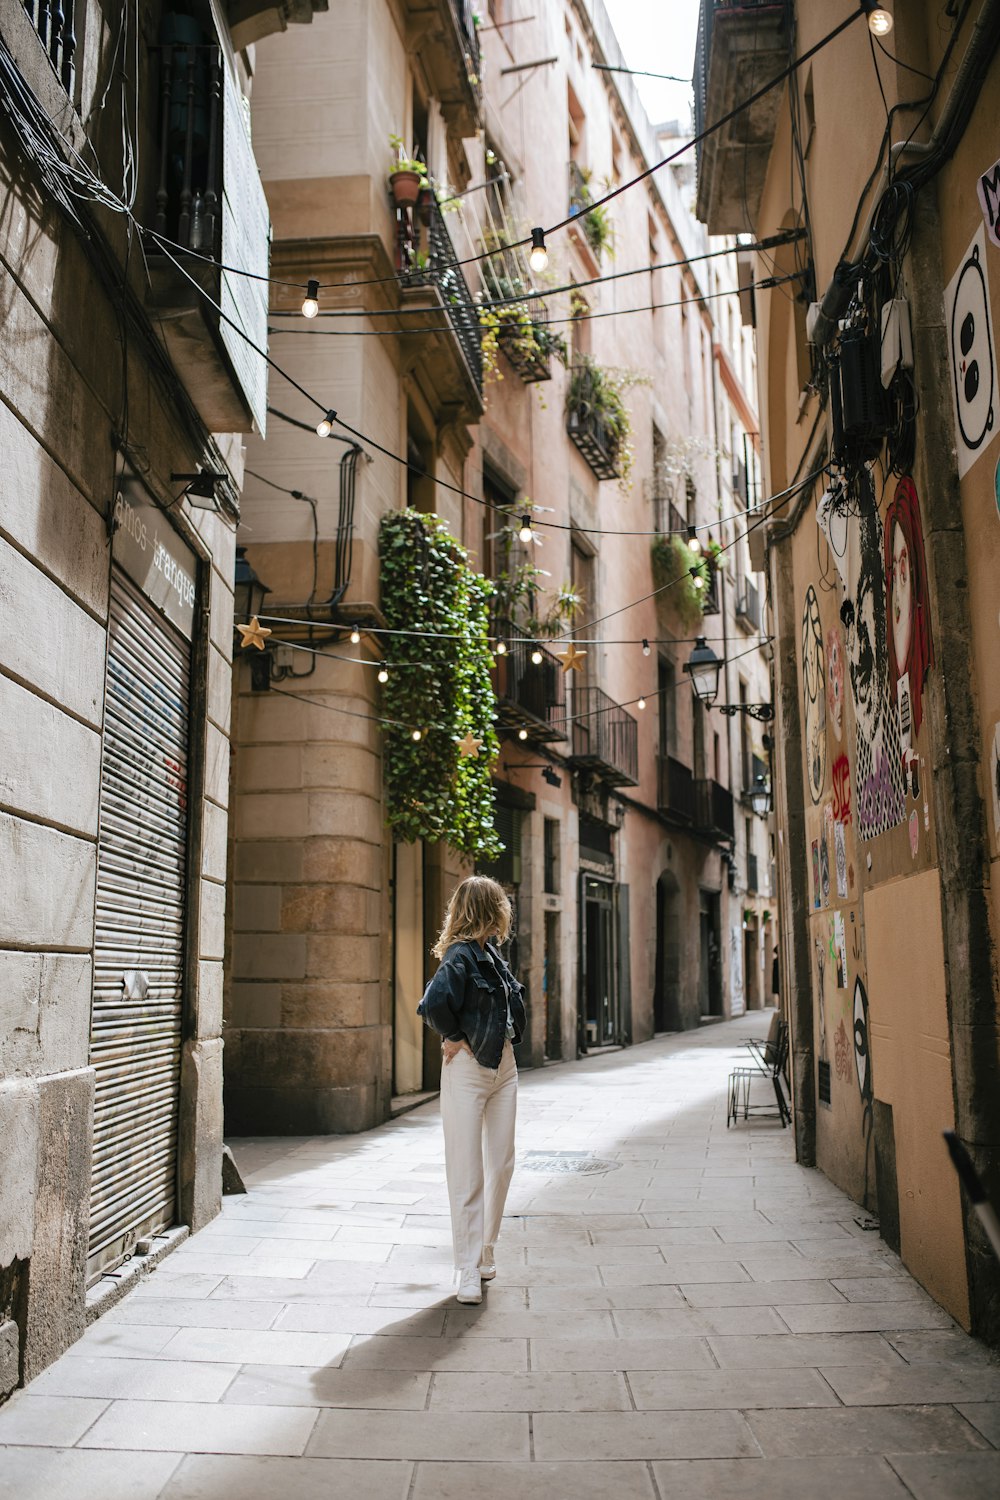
405,188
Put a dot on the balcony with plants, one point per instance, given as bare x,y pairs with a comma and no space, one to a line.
528,677
740,42
605,737
597,419
445,36
595,223
689,579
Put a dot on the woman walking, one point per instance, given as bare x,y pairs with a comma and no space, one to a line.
475,1004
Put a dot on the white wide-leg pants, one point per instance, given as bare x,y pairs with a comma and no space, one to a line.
478,1110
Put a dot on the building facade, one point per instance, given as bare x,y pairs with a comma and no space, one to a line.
877,399
125,394
614,415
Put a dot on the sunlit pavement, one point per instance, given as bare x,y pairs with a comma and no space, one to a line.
692,1314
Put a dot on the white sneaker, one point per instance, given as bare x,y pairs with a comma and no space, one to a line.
470,1287
487,1264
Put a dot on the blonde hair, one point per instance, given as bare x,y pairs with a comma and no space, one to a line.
478,909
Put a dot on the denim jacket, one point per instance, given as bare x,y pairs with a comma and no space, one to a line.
465,1002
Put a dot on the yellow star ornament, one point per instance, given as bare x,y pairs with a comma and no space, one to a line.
469,746
571,658
254,634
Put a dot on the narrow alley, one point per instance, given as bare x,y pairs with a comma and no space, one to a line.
679,1310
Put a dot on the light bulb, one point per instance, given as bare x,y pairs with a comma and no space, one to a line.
645,646
501,648
416,735
310,306
538,256
324,428
693,540
355,637
536,656
641,703
522,734
383,675
697,579
879,21
524,535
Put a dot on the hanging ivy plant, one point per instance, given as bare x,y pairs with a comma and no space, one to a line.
439,683
673,559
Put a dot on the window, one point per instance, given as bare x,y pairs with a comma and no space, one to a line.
551,856
495,553
661,486
667,684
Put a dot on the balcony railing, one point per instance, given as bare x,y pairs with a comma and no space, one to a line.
715,809
54,21
188,209
739,43
605,737
466,15
530,695
676,789
710,595
598,440
752,875
429,259
748,605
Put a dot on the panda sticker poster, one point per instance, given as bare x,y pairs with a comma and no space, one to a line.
973,355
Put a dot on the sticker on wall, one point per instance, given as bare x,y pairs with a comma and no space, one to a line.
840,859
911,651
835,682
814,694
842,1051
880,804
824,870
823,1061
973,363
816,885
988,191
841,778
840,946
914,834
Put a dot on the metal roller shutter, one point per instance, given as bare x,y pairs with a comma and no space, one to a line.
140,926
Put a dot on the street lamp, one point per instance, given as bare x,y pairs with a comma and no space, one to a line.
760,795
248,590
703,667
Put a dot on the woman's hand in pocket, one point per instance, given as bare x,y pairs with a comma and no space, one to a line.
452,1049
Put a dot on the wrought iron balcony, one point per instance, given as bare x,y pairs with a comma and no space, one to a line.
711,593
605,737
715,809
54,21
445,36
530,695
741,43
426,259
676,790
590,396
748,606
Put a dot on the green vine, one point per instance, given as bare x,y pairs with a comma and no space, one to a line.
597,391
439,682
673,559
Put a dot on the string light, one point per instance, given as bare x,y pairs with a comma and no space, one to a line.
645,646
522,734
536,655
383,675
501,648
355,637
694,541
324,428
525,533
310,303
417,735
641,703
879,19
696,578
538,256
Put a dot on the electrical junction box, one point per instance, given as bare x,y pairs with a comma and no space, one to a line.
897,339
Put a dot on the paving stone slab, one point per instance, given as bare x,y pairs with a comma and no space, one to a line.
387,1322
943,1346
881,1289
120,1340
728,1390
780,1479
861,1317
473,1322
922,1385
656,1323
205,1312
223,1478
985,1417
538,1391
135,1379
621,1354
74,1474
251,1346
554,1481
553,1298
861,1429
578,1437
48,1421
192,1427
416,1435
761,1294
280,1385
805,1350
403,1353
960,1476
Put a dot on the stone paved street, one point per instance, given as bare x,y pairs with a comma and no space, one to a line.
705,1320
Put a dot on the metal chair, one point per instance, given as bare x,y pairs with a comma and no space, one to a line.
770,1059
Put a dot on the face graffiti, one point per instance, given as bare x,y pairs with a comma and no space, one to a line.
835,681
911,652
814,694
862,1054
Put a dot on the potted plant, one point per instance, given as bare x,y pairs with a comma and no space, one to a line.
407,175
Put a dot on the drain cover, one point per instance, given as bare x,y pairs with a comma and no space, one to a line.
566,1161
